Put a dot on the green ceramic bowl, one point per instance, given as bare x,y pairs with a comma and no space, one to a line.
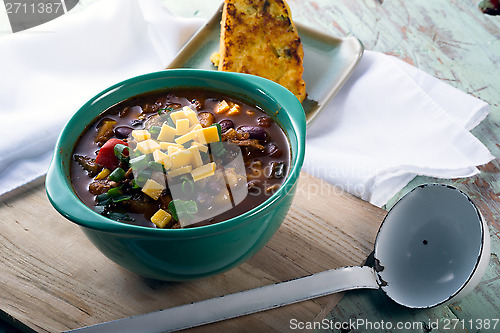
182,254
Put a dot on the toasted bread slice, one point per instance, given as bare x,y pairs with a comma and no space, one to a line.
258,37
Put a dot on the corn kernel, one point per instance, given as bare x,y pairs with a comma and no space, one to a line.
161,218
185,138
173,149
178,115
196,160
201,147
181,158
203,171
193,118
165,145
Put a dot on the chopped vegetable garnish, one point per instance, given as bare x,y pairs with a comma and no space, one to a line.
117,174
187,185
182,209
155,130
122,152
106,156
140,163
103,174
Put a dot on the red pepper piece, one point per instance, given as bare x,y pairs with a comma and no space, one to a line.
106,156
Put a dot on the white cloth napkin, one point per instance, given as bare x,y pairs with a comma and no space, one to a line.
389,123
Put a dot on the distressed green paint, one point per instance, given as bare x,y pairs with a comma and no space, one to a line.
455,42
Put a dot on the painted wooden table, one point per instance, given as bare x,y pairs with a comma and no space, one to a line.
455,42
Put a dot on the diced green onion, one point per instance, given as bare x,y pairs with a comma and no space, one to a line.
155,166
103,198
114,192
120,150
187,185
190,207
155,130
122,197
140,163
143,176
117,175
181,208
136,153
219,130
118,216
217,149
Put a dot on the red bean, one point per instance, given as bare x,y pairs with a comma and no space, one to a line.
264,121
255,132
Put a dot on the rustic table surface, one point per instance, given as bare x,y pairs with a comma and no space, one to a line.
455,42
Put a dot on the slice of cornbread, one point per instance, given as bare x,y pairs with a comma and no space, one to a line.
258,37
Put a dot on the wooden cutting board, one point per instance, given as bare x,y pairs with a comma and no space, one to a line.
53,279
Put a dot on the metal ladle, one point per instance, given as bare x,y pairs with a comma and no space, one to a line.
432,248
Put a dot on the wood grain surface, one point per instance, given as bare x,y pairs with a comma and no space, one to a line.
53,279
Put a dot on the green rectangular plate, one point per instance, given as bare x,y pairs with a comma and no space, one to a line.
328,60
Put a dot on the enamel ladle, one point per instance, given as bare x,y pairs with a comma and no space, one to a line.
432,248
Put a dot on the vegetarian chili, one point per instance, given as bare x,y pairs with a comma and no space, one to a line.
178,159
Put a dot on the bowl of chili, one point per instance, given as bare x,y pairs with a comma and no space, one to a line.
153,128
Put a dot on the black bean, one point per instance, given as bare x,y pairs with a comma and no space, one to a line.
255,132
226,124
122,132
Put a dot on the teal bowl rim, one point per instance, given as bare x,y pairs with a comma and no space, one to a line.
62,196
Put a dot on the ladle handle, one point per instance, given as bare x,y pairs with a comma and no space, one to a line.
243,303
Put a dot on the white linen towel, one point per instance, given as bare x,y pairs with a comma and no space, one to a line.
389,122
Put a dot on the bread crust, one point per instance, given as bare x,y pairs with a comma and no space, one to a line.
259,37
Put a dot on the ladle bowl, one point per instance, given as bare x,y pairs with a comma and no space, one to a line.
432,248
